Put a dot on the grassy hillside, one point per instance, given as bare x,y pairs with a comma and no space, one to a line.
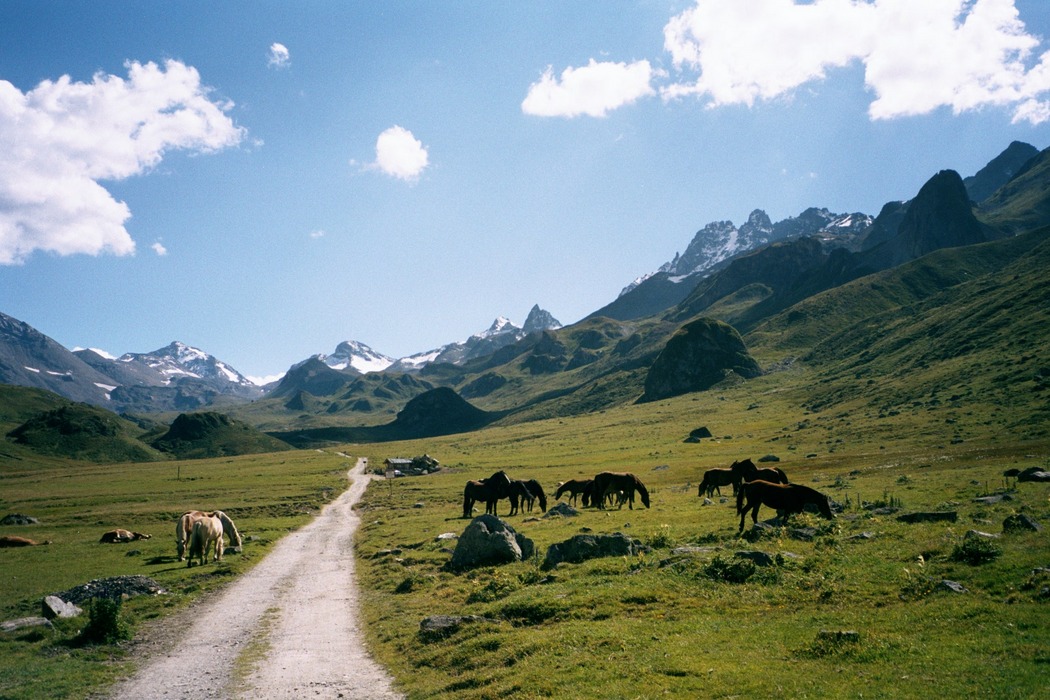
673,620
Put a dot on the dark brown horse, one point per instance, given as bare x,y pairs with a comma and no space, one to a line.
749,472
715,478
528,492
784,498
575,487
609,483
489,490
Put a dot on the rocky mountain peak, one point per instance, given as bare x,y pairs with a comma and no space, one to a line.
540,320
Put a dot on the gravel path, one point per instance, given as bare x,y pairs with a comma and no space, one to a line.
286,629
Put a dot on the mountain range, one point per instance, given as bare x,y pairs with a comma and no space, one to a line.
761,282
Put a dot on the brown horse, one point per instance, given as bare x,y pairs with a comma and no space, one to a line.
747,471
608,483
16,541
490,490
715,478
784,498
184,528
119,535
575,487
527,492
206,534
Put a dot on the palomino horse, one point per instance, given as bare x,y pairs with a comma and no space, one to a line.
206,534
784,498
574,487
608,483
716,478
489,490
527,492
749,472
120,535
184,527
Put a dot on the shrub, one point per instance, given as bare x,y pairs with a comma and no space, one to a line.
976,550
730,571
106,624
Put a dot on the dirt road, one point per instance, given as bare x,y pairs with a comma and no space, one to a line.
289,628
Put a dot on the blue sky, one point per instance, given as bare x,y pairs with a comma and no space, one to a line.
263,180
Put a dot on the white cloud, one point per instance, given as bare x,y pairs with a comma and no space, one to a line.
278,56
594,89
400,154
317,233
918,56
61,138
159,249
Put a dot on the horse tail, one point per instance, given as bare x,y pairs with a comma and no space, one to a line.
783,476
740,497
229,529
642,491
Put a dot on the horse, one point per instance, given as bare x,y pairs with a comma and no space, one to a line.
527,492
715,478
749,472
785,498
120,535
16,541
575,487
607,483
207,533
489,490
184,526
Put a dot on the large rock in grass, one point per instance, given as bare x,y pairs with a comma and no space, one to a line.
582,547
488,540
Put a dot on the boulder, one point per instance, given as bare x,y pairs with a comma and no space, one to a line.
951,587
1020,522
441,626
488,540
769,458
1034,474
993,499
115,587
52,606
19,519
561,509
24,622
579,548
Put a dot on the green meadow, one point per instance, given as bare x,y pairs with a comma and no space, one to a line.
858,610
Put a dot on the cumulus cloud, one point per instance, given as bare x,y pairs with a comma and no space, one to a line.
917,56
278,56
61,138
159,249
593,90
400,154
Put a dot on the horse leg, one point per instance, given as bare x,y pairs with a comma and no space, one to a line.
219,547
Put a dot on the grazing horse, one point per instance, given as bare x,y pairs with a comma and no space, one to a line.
119,535
715,478
784,498
489,490
184,527
608,483
749,472
206,534
575,487
527,492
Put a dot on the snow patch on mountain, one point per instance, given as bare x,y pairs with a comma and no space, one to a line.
351,354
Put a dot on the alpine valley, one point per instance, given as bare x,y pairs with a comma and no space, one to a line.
950,285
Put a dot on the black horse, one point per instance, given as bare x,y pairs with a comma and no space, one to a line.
784,498
490,490
528,492
714,479
747,471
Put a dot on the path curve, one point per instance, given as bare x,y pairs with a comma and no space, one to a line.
290,625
